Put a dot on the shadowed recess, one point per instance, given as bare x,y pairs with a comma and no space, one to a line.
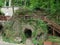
28,33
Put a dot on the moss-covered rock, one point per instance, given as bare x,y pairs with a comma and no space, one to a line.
18,25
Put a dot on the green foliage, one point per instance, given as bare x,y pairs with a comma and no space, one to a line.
34,3
8,36
17,2
51,6
54,39
1,3
9,33
23,11
34,41
8,25
1,13
10,40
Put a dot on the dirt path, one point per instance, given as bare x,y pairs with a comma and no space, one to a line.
29,42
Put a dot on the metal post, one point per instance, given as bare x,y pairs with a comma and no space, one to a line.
5,4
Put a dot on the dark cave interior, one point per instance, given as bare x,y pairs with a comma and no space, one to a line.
28,33
50,32
1,27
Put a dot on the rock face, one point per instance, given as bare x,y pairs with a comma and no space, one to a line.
25,28
29,27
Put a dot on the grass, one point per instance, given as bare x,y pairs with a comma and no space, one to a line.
1,3
54,39
10,40
11,34
12,31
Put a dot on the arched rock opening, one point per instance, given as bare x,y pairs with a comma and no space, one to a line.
28,33
50,30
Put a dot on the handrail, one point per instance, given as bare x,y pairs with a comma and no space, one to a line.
55,26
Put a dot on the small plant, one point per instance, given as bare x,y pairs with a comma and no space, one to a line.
1,13
1,3
54,39
23,11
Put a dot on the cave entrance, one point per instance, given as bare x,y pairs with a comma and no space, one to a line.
28,33
1,27
7,2
50,30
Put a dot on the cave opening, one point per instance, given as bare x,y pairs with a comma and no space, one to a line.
1,27
28,33
50,30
